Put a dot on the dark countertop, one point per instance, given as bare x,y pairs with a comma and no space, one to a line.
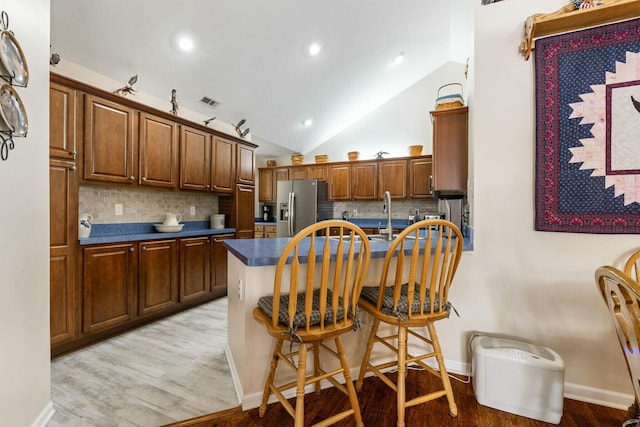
137,231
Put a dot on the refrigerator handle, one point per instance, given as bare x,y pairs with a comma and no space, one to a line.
292,213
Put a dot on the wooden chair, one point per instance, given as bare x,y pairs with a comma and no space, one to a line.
325,308
429,274
622,295
632,269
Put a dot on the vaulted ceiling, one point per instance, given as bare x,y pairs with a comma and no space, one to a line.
252,56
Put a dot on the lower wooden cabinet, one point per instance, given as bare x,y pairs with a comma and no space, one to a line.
157,276
195,265
219,265
108,282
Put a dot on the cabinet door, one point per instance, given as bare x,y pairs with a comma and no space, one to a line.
158,152
195,264
195,159
245,200
108,283
317,172
223,169
219,265
281,174
266,191
63,214
109,148
298,173
364,177
393,178
450,149
62,122
245,168
340,182
158,276
420,175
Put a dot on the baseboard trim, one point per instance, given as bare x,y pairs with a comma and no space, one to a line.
45,415
598,396
237,384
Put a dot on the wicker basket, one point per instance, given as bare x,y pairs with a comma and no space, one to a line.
296,159
447,102
322,158
415,150
271,163
353,155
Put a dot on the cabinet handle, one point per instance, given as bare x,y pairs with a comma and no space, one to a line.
73,153
132,178
131,249
144,248
430,184
208,186
73,168
144,178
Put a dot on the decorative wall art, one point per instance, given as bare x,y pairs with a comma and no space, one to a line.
588,130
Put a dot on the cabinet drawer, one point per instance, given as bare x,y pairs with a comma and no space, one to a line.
269,228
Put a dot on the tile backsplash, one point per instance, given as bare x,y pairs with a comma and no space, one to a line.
371,210
143,205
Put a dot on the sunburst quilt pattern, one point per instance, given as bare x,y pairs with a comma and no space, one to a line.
588,130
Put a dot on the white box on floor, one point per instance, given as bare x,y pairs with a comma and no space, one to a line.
517,377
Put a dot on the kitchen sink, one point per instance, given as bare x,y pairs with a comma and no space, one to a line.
371,237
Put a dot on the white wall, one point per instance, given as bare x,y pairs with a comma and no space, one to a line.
534,286
24,234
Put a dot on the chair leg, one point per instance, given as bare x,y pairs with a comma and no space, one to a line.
453,409
351,391
402,374
367,353
272,370
302,375
316,365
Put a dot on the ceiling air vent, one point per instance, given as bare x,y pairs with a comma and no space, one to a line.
209,101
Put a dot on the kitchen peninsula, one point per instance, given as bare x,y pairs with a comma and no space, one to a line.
251,269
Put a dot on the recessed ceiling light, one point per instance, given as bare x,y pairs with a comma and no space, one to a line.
186,43
307,123
399,59
314,49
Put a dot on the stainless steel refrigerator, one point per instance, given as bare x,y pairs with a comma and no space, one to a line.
301,202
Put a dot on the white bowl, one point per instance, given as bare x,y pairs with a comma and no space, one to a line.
166,228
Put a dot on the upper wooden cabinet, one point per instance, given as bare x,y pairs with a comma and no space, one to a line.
266,190
318,172
298,173
339,181
109,147
450,150
195,159
223,166
62,122
364,176
157,151
245,165
393,178
420,176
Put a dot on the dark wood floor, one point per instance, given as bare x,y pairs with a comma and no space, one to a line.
377,403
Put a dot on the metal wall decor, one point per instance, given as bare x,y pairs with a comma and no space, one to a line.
14,70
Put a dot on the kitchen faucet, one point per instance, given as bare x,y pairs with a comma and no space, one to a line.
387,209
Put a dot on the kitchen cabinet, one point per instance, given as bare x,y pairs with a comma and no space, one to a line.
364,177
219,265
63,231
298,173
318,172
195,268
109,146
450,150
266,189
393,178
157,151
62,122
246,165
339,182
264,231
108,280
158,276
245,200
420,175
223,167
195,159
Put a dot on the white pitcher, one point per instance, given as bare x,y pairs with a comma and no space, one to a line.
172,219
84,226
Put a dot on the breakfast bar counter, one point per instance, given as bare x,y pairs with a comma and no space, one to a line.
251,271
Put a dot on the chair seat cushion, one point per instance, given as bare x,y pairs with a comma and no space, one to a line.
299,319
370,293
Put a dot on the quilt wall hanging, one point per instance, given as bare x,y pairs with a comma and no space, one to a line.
588,130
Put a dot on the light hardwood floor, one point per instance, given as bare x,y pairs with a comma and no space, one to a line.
172,370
